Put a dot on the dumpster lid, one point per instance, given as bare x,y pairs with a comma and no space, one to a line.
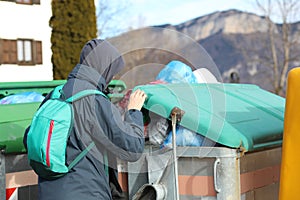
235,115
43,87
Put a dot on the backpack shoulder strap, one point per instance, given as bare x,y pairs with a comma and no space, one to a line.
80,156
83,94
56,92
83,153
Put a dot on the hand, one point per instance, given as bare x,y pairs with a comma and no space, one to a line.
136,100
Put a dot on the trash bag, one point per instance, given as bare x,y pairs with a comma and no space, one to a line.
176,72
184,137
156,128
122,105
24,97
203,75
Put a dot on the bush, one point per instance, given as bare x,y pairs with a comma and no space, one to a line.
73,23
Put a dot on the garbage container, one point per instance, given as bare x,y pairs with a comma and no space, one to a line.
245,121
18,116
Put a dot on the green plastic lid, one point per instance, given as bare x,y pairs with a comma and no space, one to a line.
235,115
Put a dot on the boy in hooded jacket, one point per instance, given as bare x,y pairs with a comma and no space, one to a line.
96,120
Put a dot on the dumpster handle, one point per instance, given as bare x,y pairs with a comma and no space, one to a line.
217,162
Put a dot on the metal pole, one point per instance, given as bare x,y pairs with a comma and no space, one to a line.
174,120
2,176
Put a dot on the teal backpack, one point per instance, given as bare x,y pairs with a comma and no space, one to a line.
48,135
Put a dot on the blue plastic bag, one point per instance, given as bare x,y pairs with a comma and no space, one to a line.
176,72
24,97
184,137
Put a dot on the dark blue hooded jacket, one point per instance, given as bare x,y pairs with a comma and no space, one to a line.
98,120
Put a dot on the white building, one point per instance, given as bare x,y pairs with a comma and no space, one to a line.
25,46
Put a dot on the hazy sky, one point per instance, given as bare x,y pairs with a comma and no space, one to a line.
158,12
140,13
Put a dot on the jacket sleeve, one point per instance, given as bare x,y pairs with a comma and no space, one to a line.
123,138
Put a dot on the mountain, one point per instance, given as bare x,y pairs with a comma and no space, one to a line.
224,42
227,22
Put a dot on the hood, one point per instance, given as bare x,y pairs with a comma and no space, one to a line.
103,58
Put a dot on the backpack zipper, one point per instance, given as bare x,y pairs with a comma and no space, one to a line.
48,143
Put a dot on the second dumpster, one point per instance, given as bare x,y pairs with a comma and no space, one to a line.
246,123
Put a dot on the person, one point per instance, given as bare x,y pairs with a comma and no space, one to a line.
97,119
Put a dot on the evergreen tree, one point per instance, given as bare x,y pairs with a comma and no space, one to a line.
73,23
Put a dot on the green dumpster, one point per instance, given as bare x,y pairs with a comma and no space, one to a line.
15,118
246,123
115,89
235,115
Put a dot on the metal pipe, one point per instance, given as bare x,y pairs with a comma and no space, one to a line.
2,175
151,191
174,120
